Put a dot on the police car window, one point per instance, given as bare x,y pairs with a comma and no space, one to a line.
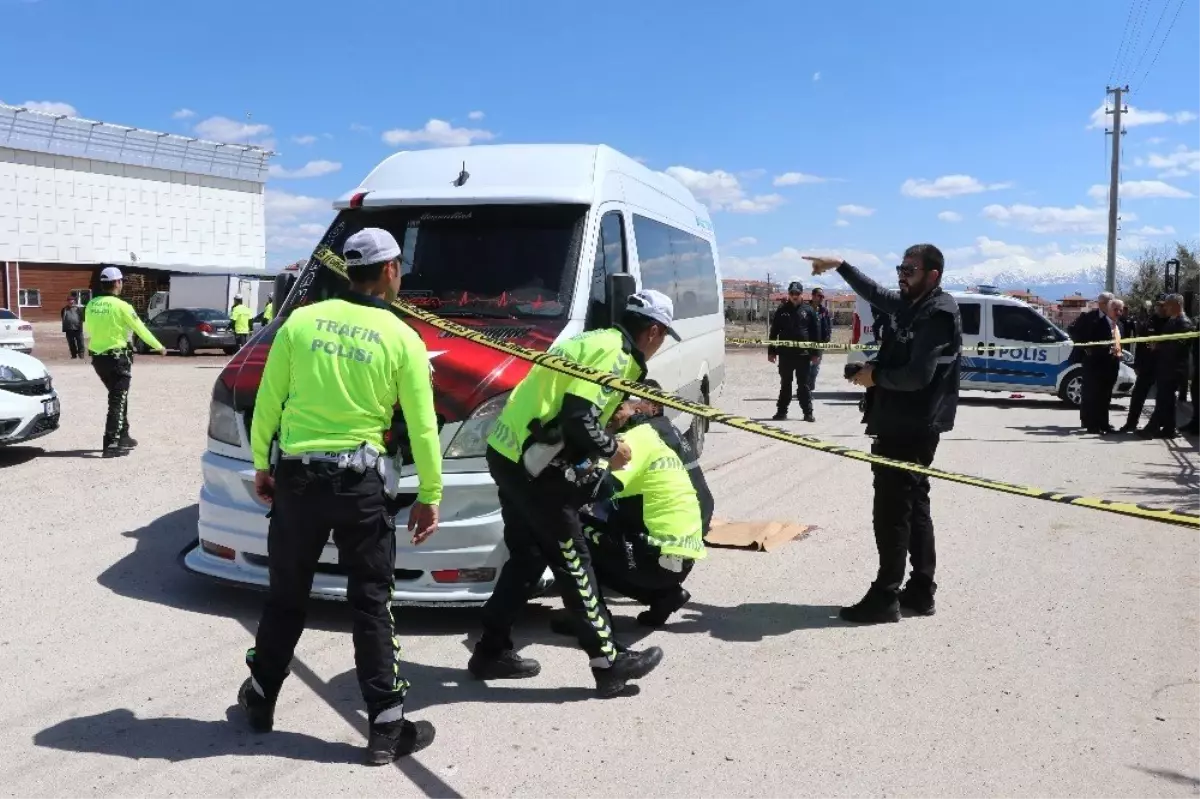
1022,324
969,312
487,260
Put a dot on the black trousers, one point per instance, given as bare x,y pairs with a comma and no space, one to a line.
1098,382
240,339
1137,398
903,525
116,372
75,343
542,528
814,369
627,565
797,369
1165,392
311,500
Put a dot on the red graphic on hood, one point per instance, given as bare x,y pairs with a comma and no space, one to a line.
465,374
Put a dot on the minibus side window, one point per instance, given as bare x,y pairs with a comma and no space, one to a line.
610,260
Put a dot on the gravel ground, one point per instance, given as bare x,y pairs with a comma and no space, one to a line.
1062,661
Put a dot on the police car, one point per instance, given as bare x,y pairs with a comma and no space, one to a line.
1007,346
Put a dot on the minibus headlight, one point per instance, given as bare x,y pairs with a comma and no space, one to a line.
471,439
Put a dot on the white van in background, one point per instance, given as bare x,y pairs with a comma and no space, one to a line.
1007,346
530,244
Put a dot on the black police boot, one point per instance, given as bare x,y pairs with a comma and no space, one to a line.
629,665
127,442
395,739
114,451
917,595
780,416
661,609
506,665
808,416
877,607
260,711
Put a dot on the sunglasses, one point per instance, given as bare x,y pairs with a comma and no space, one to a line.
906,270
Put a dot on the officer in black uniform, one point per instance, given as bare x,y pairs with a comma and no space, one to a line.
1143,363
795,320
1171,356
913,388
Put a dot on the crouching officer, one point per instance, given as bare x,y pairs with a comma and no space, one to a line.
333,377
107,321
647,522
912,398
551,429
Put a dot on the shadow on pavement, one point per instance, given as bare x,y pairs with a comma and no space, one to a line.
1170,775
122,734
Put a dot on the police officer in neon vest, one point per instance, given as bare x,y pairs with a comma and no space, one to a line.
334,375
550,432
268,311
647,522
107,322
240,315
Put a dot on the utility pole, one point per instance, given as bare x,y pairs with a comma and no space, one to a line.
1114,182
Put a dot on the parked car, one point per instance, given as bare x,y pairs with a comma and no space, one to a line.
15,333
1008,346
191,329
29,406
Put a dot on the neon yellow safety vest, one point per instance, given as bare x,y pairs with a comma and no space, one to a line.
540,395
334,374
656,478
107,322
240,316
268,312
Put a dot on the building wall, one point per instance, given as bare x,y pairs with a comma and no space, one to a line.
55,282
71,210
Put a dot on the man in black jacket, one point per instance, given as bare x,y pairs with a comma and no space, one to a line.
1171,357
1101,365
1144,364
795,320
913,388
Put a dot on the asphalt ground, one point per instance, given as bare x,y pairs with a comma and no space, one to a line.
1063,660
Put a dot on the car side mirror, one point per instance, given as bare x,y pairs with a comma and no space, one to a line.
620,288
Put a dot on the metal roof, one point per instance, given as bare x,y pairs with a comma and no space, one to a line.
54,134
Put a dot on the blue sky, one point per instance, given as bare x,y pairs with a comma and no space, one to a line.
805,126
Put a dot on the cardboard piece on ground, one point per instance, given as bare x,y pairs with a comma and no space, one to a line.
756,536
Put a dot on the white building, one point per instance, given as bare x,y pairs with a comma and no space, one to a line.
77,194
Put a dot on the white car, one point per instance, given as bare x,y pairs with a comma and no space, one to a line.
1007,346
15,333
29,406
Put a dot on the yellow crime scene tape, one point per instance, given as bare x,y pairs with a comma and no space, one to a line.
1179,516
831,347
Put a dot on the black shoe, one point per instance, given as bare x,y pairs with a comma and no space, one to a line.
917,597
877,607
780,416
808,417
114,451
1147,432
396,739
1129,428
658,612
629,665
260,711
127,442
507,665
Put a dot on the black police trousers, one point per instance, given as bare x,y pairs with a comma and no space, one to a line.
903,525
542,528
1166,390
311,500
797,369
629,567
1137,398
115,369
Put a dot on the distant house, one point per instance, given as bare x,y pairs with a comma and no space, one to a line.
1069,308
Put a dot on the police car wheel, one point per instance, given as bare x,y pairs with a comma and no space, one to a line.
1072,389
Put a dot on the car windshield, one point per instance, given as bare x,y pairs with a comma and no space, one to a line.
7,314
209,314
500,261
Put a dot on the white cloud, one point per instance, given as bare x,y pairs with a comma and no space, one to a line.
436,133
282,206
855,210
1016,266
230,131
797,179
1177,163
295,223
1141,190
475,116
183,113
305,140
51,107
947,186
1149,230
816,76
842,223
744,241
313,169
1136,117
357,128
1050,219
950,216
788,264
721,191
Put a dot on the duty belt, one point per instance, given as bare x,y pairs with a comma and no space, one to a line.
360,460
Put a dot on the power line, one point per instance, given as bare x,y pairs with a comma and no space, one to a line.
1121,46
1166,36
1153,34
1134,40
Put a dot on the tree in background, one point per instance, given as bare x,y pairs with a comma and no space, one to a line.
1147,280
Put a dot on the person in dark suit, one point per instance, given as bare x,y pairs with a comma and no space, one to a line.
1100,364
1172,356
